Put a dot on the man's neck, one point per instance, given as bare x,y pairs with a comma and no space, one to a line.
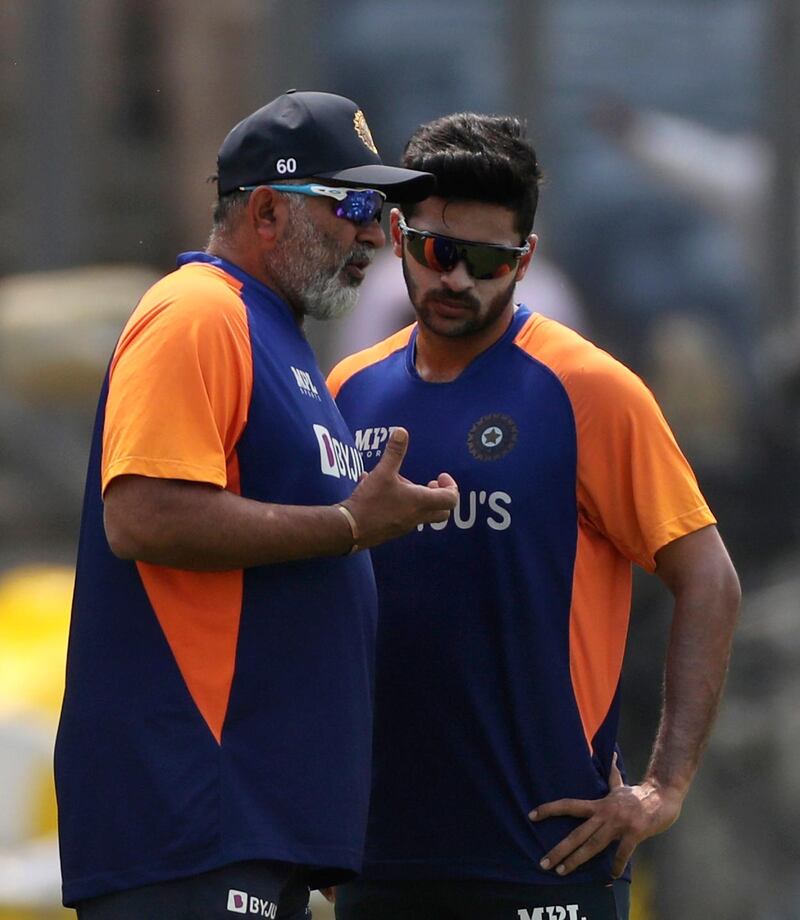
441,358
238,257
254,267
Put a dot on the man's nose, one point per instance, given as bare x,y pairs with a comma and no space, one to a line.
372,233
458,278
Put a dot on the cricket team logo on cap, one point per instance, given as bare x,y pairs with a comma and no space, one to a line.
492,437
362,130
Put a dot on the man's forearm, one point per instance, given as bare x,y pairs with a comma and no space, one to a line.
194,525
704,619
203,528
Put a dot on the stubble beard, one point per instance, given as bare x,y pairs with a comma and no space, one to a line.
473,322
309,283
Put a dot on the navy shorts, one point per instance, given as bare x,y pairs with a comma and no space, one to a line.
467,900
271,890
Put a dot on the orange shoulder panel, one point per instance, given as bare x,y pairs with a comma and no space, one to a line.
351,365
634,484
180,380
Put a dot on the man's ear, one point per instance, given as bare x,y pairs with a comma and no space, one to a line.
525,261
395,232
268,214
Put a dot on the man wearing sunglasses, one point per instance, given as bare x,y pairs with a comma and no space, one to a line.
213,755
496,792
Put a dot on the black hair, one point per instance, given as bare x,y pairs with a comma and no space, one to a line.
479,158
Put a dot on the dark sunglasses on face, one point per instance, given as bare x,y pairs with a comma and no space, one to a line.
443,253
358,205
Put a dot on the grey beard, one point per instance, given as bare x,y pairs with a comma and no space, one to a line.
329,297
322,294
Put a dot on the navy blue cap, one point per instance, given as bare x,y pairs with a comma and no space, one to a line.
312,135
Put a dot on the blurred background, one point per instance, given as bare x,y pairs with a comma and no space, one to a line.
669,132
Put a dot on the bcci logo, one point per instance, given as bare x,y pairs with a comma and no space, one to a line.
492,437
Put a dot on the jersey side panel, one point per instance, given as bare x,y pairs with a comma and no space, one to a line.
636,493
180,386
599,616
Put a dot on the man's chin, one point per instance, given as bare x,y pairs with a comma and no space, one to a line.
448,326
334,307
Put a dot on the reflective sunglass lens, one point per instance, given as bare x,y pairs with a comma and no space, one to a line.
484,264
442,254
361,207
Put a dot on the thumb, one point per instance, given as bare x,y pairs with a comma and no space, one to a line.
394,452
614,777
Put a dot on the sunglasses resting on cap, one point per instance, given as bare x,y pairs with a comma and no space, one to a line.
440,253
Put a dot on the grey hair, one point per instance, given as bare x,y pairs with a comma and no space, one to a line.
229,208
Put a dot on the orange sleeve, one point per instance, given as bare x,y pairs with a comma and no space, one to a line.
634,484
180,381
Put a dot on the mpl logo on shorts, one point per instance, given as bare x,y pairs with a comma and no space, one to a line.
567,912
240,902
336,458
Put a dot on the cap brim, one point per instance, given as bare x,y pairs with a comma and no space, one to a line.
396,183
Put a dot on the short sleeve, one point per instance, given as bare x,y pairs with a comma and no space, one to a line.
180,381
634,484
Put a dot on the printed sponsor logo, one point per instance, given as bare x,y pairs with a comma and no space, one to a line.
305,383
371,441
475,509
567,912
336,458
492,437
237,901
240,902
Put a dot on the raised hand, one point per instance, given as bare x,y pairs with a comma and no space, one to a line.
386,505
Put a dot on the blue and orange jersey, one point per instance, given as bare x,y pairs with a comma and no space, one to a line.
501,633
214,717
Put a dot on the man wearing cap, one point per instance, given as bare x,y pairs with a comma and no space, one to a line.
214,745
